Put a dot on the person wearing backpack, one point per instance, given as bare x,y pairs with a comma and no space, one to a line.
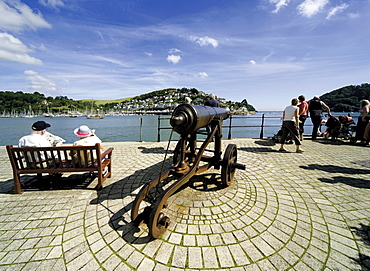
315,109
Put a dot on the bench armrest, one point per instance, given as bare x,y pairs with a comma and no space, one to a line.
107,152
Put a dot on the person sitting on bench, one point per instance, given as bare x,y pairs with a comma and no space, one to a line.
36,138
87,137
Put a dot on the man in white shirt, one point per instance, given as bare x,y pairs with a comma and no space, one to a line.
36,138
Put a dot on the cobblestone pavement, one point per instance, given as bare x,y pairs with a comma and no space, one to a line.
286,211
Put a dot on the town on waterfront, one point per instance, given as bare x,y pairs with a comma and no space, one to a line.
160,102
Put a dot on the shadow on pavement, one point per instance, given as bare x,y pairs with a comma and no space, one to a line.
332,142
265,142
363,232
257,150
355,182
31,183
154,150
130,186
267,147
336,169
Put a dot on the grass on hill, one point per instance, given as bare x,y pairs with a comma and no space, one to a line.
102,102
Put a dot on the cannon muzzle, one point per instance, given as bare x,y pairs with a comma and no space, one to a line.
187,118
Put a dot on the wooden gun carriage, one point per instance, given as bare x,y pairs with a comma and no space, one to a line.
187,120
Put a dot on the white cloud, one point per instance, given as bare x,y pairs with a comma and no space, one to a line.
279,4
40,83
252,62
336,10
42,47
174,51
267,57
16,16
353,15
174,59
203,75
112,60
308,8
204,41
12,49
30,72
52,3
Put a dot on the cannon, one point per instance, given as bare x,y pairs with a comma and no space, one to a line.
188,120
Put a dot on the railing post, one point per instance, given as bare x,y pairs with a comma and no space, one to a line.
263,123
159,129
229,135
141,129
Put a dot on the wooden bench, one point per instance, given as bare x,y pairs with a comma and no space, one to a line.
30,160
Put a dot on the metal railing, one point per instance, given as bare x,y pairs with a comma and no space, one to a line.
262,126
230,126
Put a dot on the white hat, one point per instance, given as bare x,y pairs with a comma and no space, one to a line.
83,131
316,97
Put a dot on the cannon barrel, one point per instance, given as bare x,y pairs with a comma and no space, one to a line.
187,118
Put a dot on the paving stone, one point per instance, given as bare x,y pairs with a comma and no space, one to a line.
134,259
179,257
195,259
80,261
112,262
164,253
210,257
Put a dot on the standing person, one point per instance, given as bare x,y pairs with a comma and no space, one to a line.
315,109
303,110
363,122
87,137
367,134
212,101
36,138
291,125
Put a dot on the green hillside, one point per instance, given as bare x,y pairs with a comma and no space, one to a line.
103,102
347,99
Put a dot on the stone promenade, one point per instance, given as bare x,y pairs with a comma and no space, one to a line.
286,211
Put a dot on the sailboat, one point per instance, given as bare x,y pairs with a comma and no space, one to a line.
48,114
93,115
29,113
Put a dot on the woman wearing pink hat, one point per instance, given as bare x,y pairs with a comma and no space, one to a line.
87,137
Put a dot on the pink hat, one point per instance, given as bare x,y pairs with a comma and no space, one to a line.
83,131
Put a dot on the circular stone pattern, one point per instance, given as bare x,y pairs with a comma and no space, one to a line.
254,221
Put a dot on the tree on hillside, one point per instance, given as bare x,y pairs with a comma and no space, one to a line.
347,98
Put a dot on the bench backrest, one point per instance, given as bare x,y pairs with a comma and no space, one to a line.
57,157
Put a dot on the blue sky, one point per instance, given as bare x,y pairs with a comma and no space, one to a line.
265,51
